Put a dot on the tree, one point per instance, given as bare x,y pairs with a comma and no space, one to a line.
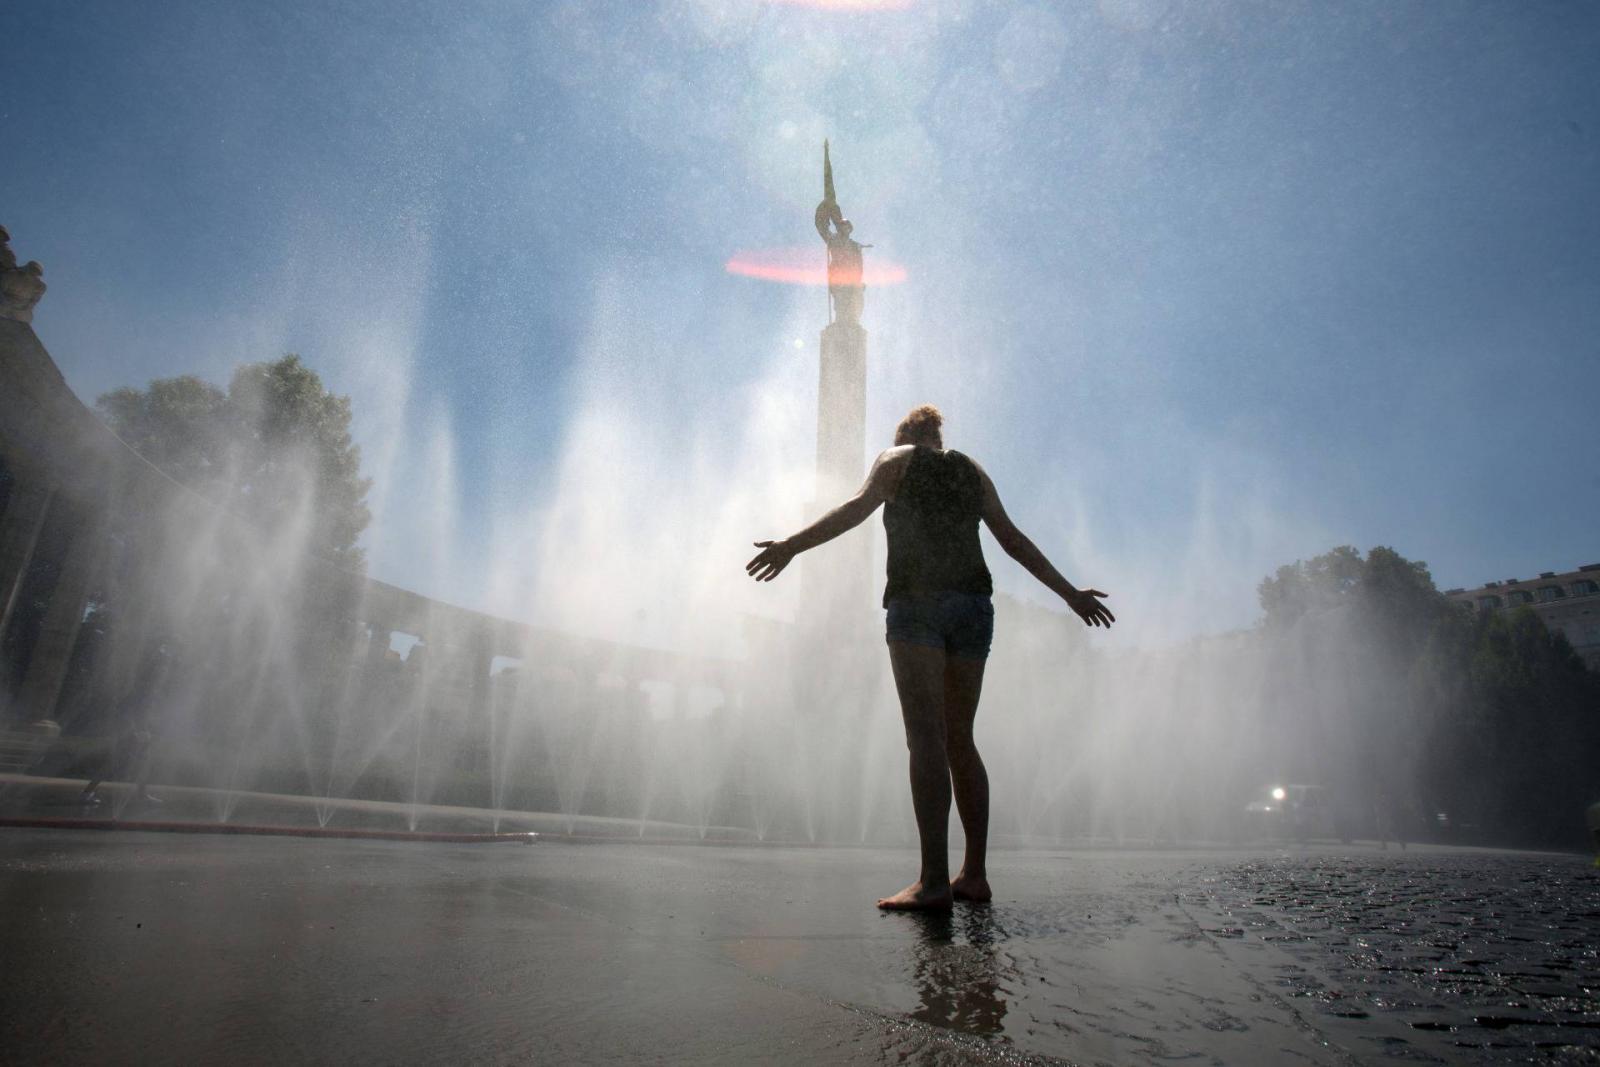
1537,709
275,448
1423,705
176,424
1309,585
1397,590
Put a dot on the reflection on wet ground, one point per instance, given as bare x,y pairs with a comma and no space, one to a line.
268,950
959,972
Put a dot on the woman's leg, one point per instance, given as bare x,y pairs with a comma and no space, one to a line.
919,678
963,684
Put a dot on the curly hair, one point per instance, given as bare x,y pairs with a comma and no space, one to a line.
921,427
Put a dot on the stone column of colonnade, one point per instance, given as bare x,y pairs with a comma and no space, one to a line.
32,502
480,653
58,633
378,638
20,525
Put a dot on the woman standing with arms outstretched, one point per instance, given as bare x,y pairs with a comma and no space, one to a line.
940,624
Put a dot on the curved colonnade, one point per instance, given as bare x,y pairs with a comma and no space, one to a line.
305,653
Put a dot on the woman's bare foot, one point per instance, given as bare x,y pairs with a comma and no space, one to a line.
915,898
971,887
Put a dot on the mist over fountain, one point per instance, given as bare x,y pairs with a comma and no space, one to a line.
261,669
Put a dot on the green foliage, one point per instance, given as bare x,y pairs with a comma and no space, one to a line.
177,424
1533,711
275,448
1397,590
1485,715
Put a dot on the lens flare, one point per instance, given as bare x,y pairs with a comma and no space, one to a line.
807,266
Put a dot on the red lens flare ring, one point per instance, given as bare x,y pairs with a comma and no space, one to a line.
807,265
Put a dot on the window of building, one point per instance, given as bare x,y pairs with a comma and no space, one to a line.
1548,593
1520,596
1488,603
1584,587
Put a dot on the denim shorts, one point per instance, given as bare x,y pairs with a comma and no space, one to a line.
960,623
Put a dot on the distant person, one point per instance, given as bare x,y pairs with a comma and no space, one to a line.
1593,817
1389,828
940,625
128,756
129,752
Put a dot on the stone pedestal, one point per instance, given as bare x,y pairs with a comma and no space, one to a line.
841,410
839,634
836,580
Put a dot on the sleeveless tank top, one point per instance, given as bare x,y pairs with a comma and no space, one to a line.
933,528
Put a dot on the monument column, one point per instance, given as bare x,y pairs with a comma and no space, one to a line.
835,583
837,586
841,411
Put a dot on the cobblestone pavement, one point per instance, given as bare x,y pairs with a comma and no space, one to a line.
1481,956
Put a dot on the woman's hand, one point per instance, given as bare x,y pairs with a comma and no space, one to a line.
775,555
1090,610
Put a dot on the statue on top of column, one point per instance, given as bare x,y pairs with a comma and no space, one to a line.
20,287
845,280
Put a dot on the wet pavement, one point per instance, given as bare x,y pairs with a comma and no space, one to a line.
147,948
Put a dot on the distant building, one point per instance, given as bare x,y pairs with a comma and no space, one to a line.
1568,603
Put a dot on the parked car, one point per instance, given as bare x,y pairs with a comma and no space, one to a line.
1297,812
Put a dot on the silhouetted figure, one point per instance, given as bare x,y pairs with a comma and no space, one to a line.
1593,817
1387,821
940,624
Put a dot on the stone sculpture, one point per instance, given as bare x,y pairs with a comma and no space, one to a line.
845,281
20,287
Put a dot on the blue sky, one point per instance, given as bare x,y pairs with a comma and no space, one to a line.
1206,287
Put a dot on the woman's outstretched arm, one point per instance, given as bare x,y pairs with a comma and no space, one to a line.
1086,602
880,485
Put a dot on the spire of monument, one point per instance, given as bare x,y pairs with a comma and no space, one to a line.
827,176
